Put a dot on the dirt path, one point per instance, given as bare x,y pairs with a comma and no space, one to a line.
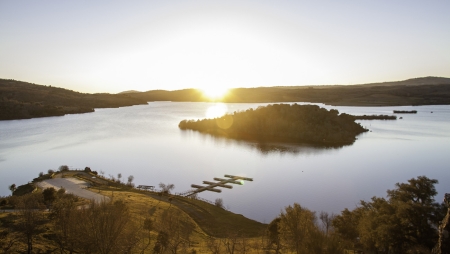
73,186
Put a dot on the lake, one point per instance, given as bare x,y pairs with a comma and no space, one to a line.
145,141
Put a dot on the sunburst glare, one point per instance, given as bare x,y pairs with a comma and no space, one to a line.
214,93
216,110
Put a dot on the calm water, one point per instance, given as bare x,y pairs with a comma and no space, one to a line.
144,141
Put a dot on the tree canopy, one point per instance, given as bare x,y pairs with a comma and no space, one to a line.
283,123
405,221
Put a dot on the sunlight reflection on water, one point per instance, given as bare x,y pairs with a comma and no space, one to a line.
216,110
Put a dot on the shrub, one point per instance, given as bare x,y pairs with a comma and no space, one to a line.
49,195
63,168
219,203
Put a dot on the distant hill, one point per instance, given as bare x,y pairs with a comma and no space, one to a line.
417,91
21,100
129,91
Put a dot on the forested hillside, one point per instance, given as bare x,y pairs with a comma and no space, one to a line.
418,91
20,100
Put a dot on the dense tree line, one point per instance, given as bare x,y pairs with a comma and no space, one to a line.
407,221
282,123
404,222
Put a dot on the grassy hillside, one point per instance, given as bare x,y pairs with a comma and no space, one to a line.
21,100
202,224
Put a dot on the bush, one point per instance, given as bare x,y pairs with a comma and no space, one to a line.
63,168
61,191
3,202
49,195
219,203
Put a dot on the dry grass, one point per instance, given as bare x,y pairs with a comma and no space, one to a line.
223,224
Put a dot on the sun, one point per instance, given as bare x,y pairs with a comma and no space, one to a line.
214,93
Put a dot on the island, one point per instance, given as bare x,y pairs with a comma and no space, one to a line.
291,123
405,111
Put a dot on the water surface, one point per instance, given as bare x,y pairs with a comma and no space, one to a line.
144,141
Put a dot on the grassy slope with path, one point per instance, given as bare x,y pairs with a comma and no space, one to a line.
212,220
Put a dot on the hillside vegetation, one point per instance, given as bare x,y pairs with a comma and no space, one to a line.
21,100
282,123
418,91
135,221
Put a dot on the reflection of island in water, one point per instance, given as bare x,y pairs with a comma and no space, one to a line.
264,148
284,124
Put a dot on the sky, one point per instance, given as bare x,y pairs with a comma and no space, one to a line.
113,46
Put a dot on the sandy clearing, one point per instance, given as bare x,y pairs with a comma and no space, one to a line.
73,186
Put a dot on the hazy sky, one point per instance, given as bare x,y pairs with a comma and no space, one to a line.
112,46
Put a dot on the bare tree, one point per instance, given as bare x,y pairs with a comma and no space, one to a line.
231,242
177,229
106,228
326,221
147,226
274,235
214,245
31,216
119,176
130,180
63,214
8,241
219,203
166,188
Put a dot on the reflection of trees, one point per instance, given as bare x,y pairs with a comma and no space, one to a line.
265,148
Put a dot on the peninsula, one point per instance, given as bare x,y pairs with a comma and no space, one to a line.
23,100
